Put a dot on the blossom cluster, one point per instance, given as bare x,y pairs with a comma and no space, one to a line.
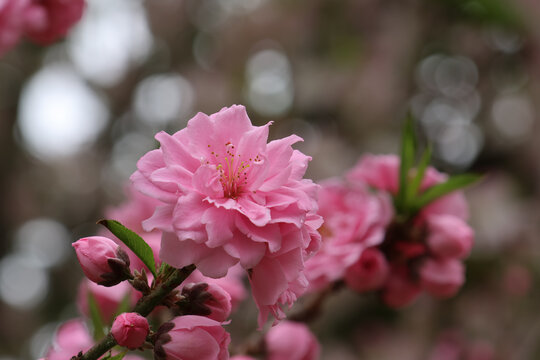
219,198
42,21
371,248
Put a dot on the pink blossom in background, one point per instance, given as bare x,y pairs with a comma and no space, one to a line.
11,23
230,197
400,290
49,20
291,341
382,172
70,338
424,253
131,214
354,219
449,236
43,21
130,330
108,299
442,278
192,337
369,272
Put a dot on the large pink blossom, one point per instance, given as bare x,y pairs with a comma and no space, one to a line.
230,197
354,219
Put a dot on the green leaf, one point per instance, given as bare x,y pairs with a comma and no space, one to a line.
408,150
133,241
95,317
119,356
452,184
414,186
124,305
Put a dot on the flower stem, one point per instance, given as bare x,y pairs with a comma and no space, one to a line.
144,307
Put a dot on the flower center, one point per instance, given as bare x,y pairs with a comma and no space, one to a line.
233,171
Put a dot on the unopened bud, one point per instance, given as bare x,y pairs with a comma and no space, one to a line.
130,330
102,260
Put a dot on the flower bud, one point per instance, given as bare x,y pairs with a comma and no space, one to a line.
449,236
291,341
369,272
207,300
102,260
192,337
442,278
399,290
130,330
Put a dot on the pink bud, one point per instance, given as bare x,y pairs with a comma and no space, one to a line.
400,290
442,278
130,330
449,236
291,341
369,272
207,299
101,259
192,337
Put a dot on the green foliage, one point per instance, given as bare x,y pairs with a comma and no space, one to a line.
132,241
410,199
493,12
95,317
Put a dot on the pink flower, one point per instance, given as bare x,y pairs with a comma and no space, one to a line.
71,337
130,330
49,20
192,337
242,357
442,278
229,197
291,341
449,236
108,299
369,272
131,214
354,220
102,260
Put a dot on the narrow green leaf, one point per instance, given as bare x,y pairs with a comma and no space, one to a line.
419,176
133,241
408,150
124,305
95,317
118,356
452,184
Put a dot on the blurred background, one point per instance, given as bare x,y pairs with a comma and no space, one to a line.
76,116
